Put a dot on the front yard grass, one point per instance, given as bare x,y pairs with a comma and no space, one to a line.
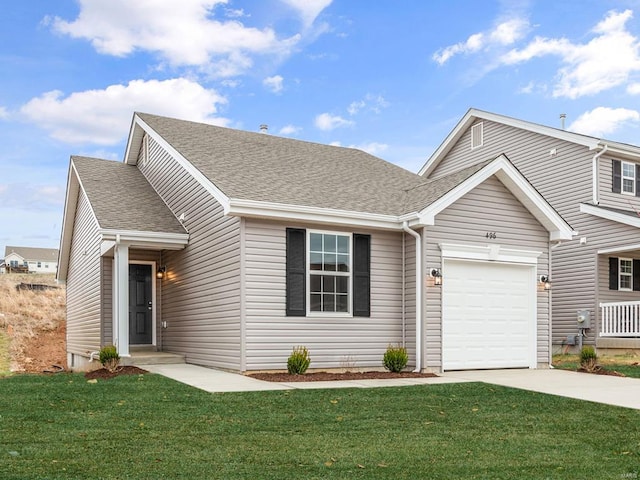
149,427
628,365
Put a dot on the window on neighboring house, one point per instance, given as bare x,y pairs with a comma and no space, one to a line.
624,274
625,178
13,263
39,264
46,265
327,272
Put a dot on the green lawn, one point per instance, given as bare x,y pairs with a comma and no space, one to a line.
628,365
151,427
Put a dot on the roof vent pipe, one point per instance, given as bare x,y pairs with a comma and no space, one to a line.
264,128
563,116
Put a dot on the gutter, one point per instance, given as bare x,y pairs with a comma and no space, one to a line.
416,235
594,173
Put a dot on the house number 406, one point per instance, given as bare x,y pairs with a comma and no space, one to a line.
491,235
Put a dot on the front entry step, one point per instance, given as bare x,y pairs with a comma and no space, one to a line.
152,358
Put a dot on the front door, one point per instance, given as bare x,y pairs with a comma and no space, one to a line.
140,305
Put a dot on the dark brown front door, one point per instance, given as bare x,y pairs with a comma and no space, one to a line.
140,305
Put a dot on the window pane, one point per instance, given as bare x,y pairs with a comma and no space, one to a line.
625,281
330,261
330,243
342,284
343,244
315,261
328,303
315,240
343,263
341,303
315,283
627,185
628,170
328,283
315,304
625,266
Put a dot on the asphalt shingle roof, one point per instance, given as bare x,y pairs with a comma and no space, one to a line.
32,253
122,198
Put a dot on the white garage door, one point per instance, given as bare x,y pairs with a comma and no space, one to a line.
488,315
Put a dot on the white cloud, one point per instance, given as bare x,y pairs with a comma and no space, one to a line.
606,61
274,83
503,34
326,121
633,89
31,196
289,130
101,117
374,148
373,103
308,9
602,121
3,113
183,33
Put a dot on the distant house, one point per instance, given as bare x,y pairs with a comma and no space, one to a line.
230,247
594,184
30,260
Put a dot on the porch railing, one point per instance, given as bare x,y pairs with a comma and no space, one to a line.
620,319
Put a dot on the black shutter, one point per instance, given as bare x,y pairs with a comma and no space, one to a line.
636,275
361,275
296,272
638,180
616,175
613,273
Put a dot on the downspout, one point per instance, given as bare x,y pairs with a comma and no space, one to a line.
416,235
594,173
550,300
404,290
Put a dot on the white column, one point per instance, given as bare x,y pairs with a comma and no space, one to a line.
121,297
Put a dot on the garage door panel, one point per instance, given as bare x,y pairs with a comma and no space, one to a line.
488,315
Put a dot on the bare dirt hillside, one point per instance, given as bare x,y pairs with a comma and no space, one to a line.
34,323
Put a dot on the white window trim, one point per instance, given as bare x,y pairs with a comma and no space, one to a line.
620,274
349,274
623,177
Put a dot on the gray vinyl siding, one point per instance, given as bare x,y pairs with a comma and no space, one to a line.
565,181
83,283
488,208
200,298
333,342
606,196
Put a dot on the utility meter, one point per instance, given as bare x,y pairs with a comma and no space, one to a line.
584,319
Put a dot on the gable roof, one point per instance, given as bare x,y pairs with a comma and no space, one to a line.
33,254
473,115
264,168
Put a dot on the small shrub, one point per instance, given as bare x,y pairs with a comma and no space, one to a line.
395,358
109,358
298,361
588,358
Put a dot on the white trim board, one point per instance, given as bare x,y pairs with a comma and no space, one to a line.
610,215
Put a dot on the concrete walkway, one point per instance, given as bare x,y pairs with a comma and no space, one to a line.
623,392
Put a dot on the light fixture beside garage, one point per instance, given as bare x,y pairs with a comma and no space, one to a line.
545,281
436,274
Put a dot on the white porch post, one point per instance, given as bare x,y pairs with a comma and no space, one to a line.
121,300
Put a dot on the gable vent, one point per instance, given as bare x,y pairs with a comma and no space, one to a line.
477,135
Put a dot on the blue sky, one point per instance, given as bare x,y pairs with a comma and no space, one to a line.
389,77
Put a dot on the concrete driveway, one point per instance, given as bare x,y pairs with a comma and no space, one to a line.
623,392
619,391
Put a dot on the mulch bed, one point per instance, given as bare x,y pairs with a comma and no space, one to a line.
104,374
602,371
329,376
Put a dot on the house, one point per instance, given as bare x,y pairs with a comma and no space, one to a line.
594,184
30,260
232,247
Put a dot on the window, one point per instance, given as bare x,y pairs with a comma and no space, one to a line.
628,178
329,272
13,263
625,274
39,264
477,134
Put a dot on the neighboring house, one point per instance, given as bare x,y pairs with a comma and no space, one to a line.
231,248
31,260
595,185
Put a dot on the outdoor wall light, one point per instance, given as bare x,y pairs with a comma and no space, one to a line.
161,271
544,280
436,274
